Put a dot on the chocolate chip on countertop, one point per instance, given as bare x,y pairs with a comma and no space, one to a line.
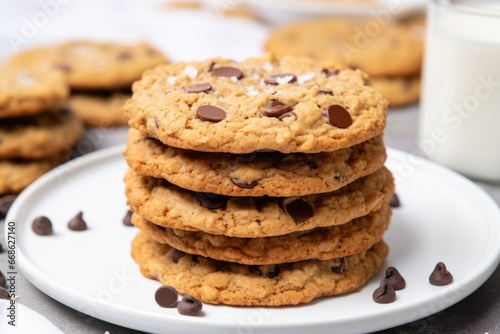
394,201
385,293
77,223
227,71
395,278
199,88
5,204
210,113
440,275
279,79
166,296
127,219
42,226
189,305
338,116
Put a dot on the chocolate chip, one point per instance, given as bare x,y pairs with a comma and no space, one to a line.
394,201
280,79
440,276
127,219
63,67
385,293
5,204
276,109
3,280
338,116
227,71
177,255
210,113
288,114
124,55
189,305
77,223
42,226
329,73
4,294
298,209
243,184
275,272
199,88
312,164
326,91
166,296
339,269
394,277
212,201
250,156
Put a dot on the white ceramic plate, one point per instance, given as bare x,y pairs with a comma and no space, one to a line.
281,11
443,217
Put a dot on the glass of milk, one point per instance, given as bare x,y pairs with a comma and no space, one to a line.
460,105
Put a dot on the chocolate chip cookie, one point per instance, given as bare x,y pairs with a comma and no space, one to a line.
42,136
323,243
100,110
28,91
288,104
248,217
255,174
381,50
93,65
218,282
15,175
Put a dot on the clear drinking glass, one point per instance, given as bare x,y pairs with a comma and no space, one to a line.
460,105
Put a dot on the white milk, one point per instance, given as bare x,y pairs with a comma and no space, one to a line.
460,105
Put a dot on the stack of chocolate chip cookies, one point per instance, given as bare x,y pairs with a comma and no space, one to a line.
99,75
259,182
388,50
36,133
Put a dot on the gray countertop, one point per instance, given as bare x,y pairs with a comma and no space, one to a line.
478,313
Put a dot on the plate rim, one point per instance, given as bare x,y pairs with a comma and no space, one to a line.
65,295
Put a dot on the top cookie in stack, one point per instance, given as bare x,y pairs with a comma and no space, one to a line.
259,182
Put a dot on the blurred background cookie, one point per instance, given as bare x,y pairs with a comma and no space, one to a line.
390,53
99,75
28,91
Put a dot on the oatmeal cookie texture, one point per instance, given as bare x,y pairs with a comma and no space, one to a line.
254,174
28,91
90,65
391,56
325,243
218,282
259,182
289,105
41,136
250,217
16,175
